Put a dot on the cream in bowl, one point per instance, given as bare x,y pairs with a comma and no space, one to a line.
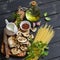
11,26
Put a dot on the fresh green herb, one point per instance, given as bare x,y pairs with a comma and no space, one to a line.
13,16
45,14
47,18
30,40
17,17
36,50
18,20
45,52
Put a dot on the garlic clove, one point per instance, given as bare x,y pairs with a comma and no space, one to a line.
34,29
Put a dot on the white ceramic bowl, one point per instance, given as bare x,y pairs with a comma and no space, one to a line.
23,22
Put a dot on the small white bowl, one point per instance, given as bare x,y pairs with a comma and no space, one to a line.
23,22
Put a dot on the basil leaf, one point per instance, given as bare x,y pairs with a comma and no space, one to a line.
45,14
47,18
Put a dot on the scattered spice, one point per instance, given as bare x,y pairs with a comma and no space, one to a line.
25,26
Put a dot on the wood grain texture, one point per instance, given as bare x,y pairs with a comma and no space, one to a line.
12,6
53,51
7,7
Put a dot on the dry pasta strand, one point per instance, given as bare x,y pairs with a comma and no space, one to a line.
44,34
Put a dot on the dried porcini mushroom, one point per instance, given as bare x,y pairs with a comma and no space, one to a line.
11,41
26,34
21,54
23,48
19,33
15,51
21,39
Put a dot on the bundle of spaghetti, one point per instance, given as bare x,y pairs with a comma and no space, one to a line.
44,34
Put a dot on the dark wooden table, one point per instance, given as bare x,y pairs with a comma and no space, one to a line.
7,7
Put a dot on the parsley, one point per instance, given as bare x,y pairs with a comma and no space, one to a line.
45,14
36,50
18,20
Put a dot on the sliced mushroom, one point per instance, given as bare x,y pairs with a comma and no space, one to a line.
21,13
33,29
23,48
15,51
26,34
11,41
18,45
21,39
27,43
19,33
21,54
30,37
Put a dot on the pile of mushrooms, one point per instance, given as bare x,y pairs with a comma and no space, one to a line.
19,43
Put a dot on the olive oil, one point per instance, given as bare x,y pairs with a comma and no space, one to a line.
33,13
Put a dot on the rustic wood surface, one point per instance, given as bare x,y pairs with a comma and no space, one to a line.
7,7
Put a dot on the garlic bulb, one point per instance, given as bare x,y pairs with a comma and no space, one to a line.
33,29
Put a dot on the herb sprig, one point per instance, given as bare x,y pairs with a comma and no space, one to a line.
18,20
36,50
46,17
